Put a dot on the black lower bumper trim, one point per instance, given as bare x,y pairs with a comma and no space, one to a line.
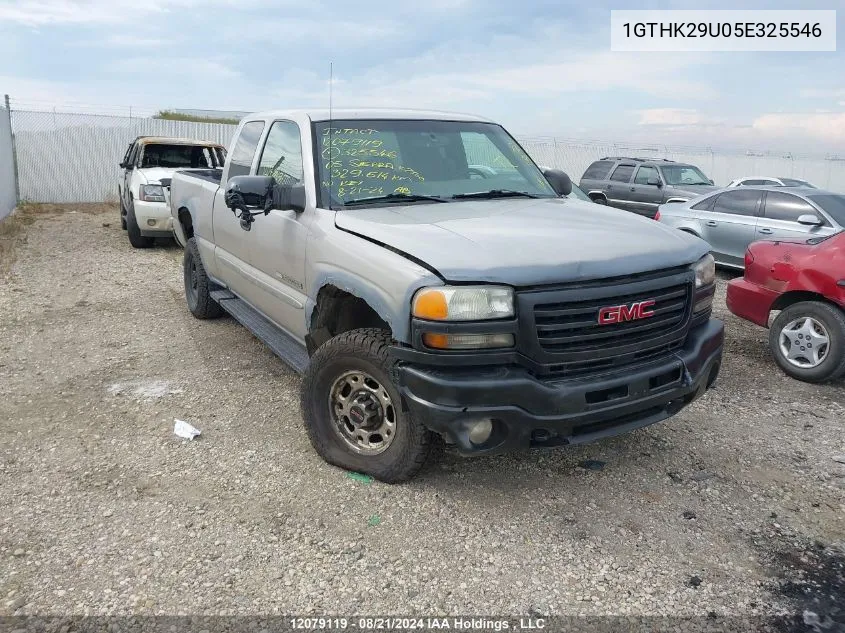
527,412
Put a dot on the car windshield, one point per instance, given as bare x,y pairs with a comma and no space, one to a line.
683,175
181,156
833,204
792,182
390,159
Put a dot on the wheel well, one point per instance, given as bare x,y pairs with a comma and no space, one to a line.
338,311
594,196
187,223
797,296
690,231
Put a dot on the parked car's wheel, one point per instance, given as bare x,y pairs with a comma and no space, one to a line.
135,238
808,341
122,212
197,285
600,200
353,412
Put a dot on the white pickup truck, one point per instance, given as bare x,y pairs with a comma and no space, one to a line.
144,213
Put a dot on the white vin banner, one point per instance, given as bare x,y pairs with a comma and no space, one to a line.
742,30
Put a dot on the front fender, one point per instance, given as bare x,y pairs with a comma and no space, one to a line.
383,278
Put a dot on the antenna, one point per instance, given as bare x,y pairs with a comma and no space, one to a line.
331,134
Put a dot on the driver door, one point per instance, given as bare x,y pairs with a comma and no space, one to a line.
277,255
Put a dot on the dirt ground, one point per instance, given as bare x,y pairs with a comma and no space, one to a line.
735,506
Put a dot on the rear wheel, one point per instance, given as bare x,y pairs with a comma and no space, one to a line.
600,200
135,238
808,341
197,285
353,411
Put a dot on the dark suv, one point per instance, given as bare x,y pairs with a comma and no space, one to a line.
642,184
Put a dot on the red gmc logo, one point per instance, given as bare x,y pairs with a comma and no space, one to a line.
623,313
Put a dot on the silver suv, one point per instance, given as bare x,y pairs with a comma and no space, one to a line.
642,184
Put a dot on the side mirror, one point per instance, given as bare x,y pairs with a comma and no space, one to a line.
559,181
249,192
810,219
289,198
655,182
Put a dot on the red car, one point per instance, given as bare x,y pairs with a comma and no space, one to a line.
805,280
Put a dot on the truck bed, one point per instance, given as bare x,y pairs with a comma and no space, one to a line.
211,175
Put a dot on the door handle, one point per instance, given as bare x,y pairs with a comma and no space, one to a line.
633,189
765,231
712,223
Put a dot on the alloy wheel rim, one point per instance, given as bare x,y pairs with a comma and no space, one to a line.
804,342
362,412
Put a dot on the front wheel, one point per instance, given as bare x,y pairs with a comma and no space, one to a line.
134,231
808,341
353,412
600,200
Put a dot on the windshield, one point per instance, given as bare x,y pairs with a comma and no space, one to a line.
360,159
182,156
684,175
833,204
792,182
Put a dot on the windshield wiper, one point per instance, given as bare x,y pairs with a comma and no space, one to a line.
496,193
394,197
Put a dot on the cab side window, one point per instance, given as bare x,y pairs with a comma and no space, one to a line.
281,157
245,148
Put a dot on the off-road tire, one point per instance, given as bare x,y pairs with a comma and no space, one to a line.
364,350
198,296
134,231
832,318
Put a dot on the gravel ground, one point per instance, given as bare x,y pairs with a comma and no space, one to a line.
104,511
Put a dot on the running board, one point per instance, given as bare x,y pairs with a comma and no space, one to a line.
283,345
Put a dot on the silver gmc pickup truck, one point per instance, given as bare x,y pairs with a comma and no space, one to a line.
431,283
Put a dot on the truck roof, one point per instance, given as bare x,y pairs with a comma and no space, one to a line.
174,140
322,114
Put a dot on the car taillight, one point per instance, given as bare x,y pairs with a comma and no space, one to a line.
657,216
749,258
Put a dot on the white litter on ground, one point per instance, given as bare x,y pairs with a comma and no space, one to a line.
183,429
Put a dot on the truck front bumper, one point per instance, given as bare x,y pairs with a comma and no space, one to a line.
153,218
525,411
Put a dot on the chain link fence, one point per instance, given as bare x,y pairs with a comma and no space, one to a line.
69,157
73,157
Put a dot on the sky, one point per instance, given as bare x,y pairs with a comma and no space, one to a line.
540,67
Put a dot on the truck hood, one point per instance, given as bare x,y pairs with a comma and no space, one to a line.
524,242
153,175
691,191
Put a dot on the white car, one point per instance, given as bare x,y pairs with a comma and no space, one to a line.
770,181
144,213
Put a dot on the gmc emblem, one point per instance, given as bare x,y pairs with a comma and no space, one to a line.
623,313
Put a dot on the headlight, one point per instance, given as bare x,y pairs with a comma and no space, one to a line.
705,271
463,303
151,193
